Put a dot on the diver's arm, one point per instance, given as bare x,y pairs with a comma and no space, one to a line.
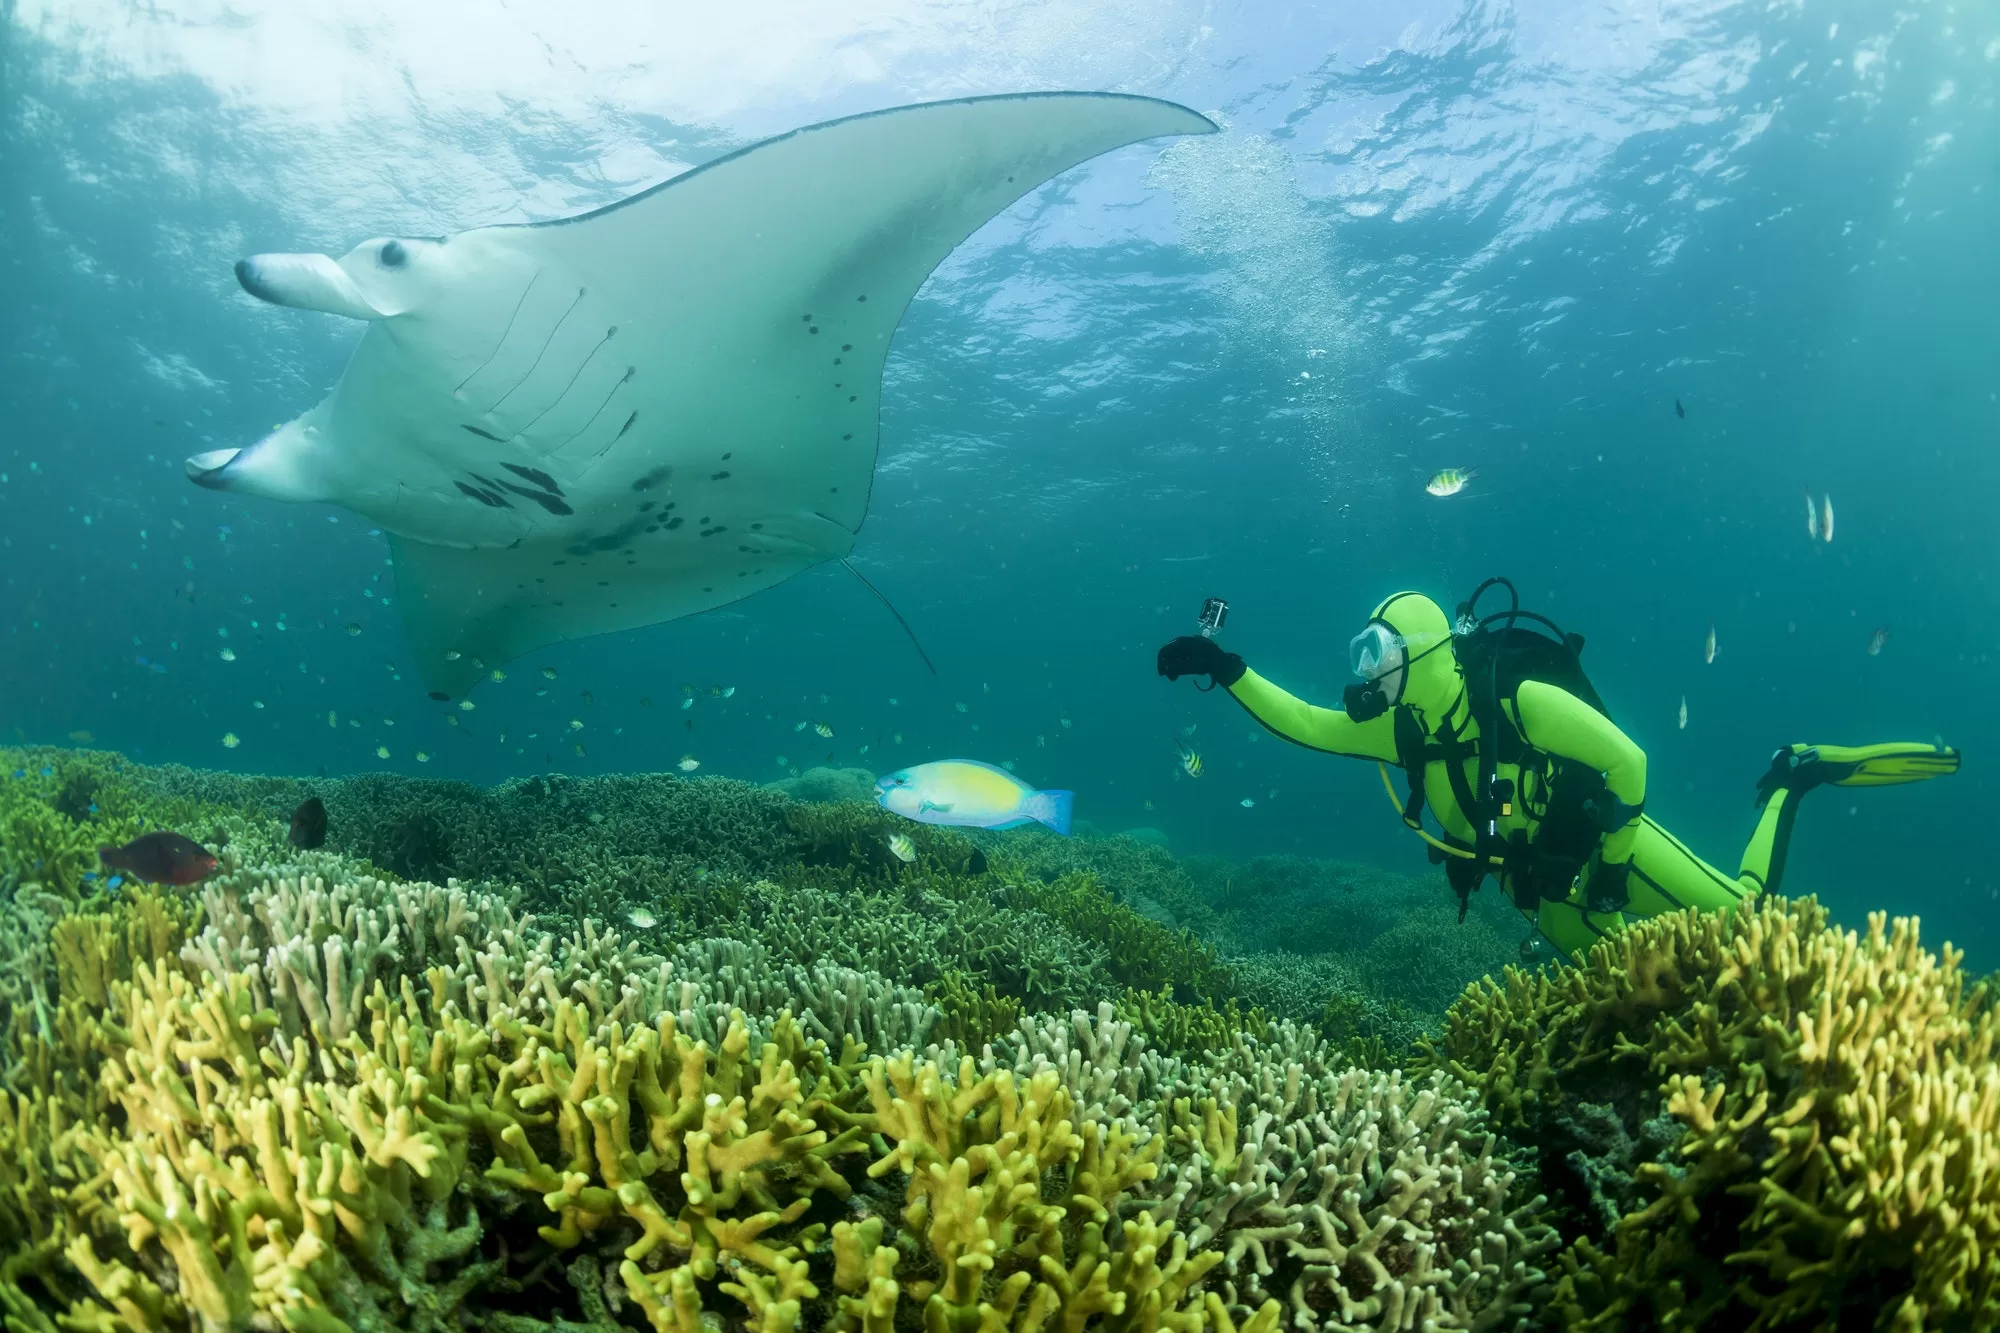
1556,721
1317,728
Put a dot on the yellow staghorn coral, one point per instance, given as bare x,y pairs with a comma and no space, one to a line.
1824,1110
1019,1210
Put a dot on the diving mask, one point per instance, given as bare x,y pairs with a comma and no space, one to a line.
1378,655
1376,651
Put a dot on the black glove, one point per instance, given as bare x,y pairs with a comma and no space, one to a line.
1192,655
1607,890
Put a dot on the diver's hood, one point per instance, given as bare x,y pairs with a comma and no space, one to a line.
1433,683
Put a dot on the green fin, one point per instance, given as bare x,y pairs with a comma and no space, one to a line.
1800,768
1883,765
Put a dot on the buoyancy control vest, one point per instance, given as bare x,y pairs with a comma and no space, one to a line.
1566,803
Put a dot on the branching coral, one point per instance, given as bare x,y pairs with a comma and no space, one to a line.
1136,872
1834,1100
314,1098
1351,1198
1143,953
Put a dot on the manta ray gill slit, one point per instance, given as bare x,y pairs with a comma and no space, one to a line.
582,366
533,366
623,380
460,388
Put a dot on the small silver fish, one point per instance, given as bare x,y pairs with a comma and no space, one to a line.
641,919
1826,518
688,763
1812,516
900,844
1708,650
1876,641
1684,712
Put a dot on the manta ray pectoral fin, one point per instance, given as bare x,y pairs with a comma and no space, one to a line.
787,267
305,282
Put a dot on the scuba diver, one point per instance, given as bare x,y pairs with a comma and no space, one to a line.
1500,734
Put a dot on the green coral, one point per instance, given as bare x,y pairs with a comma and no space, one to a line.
1753,1120
1188,1028
1137,872
1144,954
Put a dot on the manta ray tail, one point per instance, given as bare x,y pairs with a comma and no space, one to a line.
892,611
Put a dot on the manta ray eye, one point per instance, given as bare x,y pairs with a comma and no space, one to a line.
394,255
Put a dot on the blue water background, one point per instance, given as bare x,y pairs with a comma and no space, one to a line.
1473,236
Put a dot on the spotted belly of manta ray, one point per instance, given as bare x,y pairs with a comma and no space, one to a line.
658,407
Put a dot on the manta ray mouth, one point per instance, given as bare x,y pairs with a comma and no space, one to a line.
209,469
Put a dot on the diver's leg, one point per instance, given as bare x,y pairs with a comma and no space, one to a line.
1571,928
1797,769
1666,877
1763,866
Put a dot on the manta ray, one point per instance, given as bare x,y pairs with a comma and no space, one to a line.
664,405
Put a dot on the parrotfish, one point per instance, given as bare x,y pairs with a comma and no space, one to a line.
161,857
967,793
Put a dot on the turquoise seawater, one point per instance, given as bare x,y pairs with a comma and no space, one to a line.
1657,272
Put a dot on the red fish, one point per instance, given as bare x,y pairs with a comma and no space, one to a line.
161,857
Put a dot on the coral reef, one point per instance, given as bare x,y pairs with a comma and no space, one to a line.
692,1056
1136,870
319,1097
1348,1198
1753,1120
828,786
